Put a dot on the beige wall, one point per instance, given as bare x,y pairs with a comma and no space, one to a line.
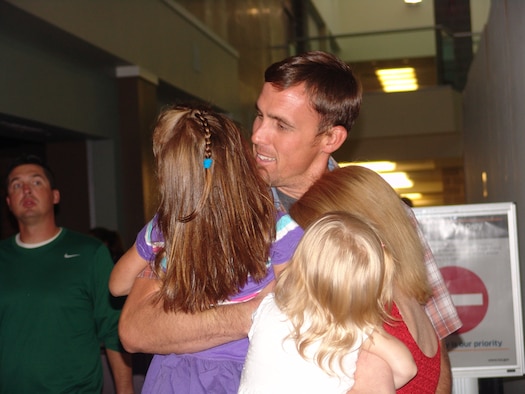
494,121
156,35
407,126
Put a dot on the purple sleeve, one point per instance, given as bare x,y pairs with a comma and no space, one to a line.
288,235
149,240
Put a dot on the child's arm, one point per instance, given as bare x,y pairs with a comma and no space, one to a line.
373,375
278,269
125,271
395,353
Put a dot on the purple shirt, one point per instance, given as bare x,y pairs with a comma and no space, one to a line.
150,240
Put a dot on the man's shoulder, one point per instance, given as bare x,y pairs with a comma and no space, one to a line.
87,246
7,239
7,242
80,239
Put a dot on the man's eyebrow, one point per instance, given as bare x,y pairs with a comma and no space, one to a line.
275,117
282,120
35,175
15,178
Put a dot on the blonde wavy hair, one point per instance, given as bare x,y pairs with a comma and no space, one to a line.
332,288
363,192
217,216
348,301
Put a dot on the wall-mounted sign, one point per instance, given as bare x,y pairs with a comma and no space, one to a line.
476,249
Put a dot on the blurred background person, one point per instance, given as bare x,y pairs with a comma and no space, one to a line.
55,307
111,239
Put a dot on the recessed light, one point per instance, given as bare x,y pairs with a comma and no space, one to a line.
397,79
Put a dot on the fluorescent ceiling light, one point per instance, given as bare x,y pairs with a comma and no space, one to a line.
398,180
397,79
412,196
377,166
413,1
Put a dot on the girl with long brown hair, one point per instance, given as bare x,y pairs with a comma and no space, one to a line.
216,239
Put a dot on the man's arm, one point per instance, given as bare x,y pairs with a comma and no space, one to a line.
445,376
145,327
121,370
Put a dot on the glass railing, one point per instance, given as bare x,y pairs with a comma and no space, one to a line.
452,52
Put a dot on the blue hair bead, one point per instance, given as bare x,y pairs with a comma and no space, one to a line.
207,163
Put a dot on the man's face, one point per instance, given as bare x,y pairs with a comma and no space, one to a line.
285,142
29,194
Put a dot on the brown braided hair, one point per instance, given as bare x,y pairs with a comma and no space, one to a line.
218,223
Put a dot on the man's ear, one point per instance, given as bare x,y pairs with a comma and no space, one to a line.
56,196
334,138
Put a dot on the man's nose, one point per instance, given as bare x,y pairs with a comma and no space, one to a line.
259,133
26,188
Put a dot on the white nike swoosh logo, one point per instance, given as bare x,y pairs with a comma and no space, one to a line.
68,256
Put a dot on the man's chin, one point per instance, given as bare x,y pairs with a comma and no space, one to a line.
265,174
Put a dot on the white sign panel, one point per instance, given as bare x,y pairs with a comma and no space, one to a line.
476,249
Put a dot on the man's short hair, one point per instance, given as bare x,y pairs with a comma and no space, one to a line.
30,159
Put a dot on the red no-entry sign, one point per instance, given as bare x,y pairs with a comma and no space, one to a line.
469,295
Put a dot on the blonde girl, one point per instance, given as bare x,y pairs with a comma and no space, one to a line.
330,301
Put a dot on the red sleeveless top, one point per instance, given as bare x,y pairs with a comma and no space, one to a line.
428,368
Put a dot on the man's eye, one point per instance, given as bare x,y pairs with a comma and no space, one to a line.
16,186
